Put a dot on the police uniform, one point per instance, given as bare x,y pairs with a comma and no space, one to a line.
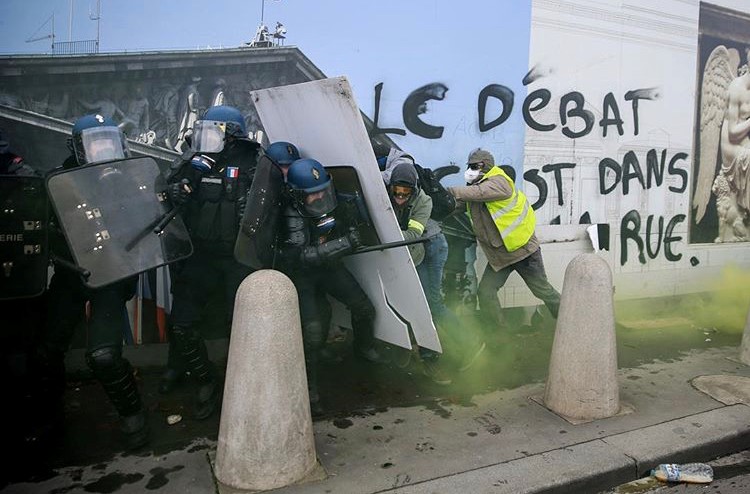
220,183
311,246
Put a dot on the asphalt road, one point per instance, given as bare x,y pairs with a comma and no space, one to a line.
731,476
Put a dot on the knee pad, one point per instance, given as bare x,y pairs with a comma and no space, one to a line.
106,361
312,334
185,334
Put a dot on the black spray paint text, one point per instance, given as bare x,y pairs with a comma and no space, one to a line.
571,110
614,175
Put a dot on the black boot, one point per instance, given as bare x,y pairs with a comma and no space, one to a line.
175,373
116,377
207,399
135,430
43,407
170,380
313,343
193,350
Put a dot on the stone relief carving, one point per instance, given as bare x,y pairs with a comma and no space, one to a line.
725,132
155,111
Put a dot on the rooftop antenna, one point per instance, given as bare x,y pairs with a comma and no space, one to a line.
35,37
70,22
96,18
262,36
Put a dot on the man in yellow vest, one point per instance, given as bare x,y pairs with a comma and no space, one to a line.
503,222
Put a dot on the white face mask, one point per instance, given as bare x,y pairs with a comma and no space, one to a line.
472,176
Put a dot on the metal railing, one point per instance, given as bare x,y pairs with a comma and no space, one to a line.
84,47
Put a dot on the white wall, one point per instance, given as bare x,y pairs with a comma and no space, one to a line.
597,47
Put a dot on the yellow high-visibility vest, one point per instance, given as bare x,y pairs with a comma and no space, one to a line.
513,217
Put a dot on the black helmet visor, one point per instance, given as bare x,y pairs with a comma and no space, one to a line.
317,201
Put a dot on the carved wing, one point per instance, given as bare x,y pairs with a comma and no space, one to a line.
720,69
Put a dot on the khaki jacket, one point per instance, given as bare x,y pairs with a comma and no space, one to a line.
476,195
420,213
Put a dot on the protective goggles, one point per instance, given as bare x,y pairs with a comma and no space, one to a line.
401,191
475,166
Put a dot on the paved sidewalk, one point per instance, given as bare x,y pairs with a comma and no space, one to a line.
500,442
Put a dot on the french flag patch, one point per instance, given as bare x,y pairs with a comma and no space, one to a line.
233,172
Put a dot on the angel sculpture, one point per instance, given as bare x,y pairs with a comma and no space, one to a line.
725,132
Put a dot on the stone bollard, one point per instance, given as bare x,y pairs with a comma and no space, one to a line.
745,345
265,434
582,382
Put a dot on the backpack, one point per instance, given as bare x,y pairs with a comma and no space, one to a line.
443,203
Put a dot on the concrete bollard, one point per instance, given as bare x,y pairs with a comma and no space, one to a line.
745,345
265,434
582,382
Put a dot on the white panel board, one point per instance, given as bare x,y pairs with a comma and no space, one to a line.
322,119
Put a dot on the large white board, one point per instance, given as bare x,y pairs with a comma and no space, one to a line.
322,119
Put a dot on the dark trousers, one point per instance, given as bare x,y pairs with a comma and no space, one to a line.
335,280
67,296
66,309
531,269
193,281
430,273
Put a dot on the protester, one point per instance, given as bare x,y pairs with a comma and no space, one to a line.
413,207
504,224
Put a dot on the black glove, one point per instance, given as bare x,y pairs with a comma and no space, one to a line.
328,251
355,240
179,192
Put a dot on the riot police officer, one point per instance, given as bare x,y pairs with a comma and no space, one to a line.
94,138
211,187
312,240
283,154
21,311
10,162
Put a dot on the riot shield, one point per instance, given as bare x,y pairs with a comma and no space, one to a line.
352,202
254,244
117,219
23,236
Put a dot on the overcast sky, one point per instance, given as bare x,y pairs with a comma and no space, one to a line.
404,44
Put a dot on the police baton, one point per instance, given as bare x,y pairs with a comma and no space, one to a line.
391,245
82,272
157,226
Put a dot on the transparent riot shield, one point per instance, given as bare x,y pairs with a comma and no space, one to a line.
117,219
23,237
255,242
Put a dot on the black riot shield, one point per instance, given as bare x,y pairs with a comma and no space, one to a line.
117,219
23,237
255,243
352,204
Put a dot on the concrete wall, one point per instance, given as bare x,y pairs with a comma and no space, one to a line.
591,59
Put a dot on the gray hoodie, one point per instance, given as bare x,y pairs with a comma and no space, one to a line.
395,157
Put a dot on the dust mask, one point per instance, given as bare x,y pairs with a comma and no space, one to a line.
472,176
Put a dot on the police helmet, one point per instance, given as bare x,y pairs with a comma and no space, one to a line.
218,123
96,138
311,188
282,153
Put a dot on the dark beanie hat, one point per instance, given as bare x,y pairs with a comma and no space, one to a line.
404,174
